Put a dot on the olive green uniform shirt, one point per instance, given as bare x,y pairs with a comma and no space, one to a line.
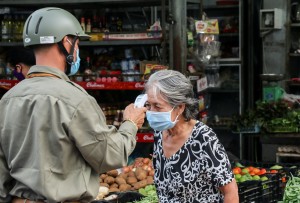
54,140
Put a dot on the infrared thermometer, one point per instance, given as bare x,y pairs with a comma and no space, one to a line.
140,100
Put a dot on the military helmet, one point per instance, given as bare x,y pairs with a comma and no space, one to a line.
49,25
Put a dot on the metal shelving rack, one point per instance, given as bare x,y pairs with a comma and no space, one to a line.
178,44
126,5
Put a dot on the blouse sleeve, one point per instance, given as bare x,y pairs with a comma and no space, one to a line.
218,164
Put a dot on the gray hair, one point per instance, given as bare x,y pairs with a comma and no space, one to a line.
176,89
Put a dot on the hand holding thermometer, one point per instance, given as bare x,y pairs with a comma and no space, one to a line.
140,100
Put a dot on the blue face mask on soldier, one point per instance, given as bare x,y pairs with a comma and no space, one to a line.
160,120
75,65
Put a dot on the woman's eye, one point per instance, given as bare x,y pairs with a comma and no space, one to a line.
148,106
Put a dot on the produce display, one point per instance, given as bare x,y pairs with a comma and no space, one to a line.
150,195
135,177
245,173
267,182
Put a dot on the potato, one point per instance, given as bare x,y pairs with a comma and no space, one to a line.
114,173
149,180
141,174
109,180
124,187
131,174
140,184
123,175
131,180
104,184
103,176
114,189
120,180
114,185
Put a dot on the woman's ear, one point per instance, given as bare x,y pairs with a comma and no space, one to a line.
181,108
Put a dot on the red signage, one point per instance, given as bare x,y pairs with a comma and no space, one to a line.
112,85
7,84
144,137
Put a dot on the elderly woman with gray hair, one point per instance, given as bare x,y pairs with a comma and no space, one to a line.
191,165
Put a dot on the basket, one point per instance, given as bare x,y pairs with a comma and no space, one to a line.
249,191
270,189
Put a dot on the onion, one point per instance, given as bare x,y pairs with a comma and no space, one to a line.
145,167
146,160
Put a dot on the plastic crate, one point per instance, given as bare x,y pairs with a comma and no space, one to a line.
250,191
271,189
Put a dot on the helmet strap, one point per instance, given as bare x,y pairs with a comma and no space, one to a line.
69,56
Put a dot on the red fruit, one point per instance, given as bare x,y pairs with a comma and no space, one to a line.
273,171
262,171
236,170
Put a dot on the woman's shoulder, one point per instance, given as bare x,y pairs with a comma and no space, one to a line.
204,132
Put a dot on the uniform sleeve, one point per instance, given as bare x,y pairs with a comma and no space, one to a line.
5,179
219,166
103,147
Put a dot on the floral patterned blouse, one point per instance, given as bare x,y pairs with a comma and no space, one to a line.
195,172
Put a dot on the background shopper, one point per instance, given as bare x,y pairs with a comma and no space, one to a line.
20,60
54,141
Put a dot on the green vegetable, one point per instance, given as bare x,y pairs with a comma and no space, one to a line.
238,164
276,167
292,190
150,195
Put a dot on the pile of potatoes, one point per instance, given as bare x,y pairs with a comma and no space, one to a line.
132,177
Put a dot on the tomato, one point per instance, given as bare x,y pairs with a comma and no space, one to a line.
250,168
262,171
256,171
273,171
252,173
236,170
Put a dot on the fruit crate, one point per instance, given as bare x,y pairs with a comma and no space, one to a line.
271,190
249,191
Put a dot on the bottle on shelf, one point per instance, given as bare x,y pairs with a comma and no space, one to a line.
17,35
22,23
88,27
9,28
119,24
4,29
82,23
95,27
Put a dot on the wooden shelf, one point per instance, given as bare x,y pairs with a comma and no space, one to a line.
280,155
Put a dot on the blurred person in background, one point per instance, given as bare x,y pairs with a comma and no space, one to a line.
191,165
54,140
20,60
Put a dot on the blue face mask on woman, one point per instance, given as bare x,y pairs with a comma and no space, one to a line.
75,65
160,120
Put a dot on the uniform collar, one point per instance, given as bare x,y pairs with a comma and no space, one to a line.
50,70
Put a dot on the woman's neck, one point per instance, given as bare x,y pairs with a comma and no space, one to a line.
181,128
